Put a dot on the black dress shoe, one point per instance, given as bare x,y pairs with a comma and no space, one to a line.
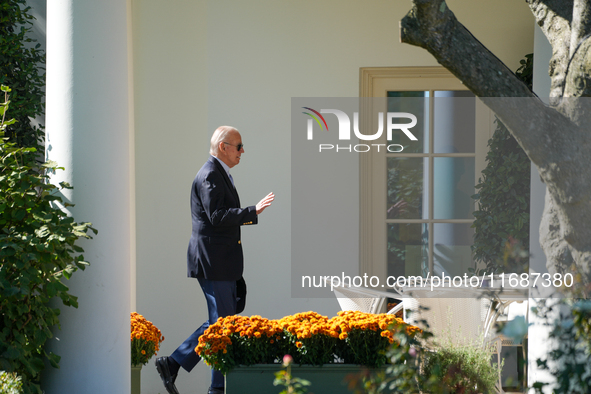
213,390
167,378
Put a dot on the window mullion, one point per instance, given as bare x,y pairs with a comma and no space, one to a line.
430,226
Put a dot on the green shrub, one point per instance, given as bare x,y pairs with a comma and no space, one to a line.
10,383
453,368
458,365
503,196
460,369
37,250
22,68
570,352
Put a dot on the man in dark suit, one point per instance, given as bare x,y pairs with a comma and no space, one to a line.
214,255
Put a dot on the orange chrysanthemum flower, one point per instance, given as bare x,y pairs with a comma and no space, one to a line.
145,339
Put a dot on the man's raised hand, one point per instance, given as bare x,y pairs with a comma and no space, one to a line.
265,202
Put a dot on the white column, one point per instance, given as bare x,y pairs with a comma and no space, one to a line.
88,121
538,334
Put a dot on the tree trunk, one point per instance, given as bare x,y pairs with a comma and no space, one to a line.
556,138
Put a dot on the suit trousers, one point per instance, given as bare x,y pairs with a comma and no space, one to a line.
221,302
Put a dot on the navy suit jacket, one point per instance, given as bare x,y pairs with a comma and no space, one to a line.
215,248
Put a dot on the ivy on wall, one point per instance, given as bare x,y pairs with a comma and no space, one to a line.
22,65
503,197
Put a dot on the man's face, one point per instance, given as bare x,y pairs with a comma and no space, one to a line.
229,152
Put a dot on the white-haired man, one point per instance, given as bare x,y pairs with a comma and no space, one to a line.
214,255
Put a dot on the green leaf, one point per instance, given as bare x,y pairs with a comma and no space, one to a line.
42,232
19,214
11,352
82,265
54,360
37,364
66,185
51,164
50,290
77,249
68,271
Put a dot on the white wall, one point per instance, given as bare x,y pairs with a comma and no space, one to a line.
201,64
170,43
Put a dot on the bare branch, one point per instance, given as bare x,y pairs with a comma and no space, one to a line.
581,24
554,18
552,12
433,26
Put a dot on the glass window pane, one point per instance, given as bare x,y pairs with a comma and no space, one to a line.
452,253
407,188
453,187
408,252
454,121
416,103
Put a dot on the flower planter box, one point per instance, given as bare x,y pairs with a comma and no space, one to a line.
258,379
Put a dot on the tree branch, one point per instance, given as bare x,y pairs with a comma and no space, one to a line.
554,18
430,24
580,25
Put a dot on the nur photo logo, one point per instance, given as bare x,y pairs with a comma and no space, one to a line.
394,122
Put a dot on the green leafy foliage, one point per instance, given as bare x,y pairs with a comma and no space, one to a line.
139,345
314,350
401,375
503,195
568,360
37,250
22,68
463,367
364,347
292,384
460,369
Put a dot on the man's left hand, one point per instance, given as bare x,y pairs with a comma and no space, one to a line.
265,202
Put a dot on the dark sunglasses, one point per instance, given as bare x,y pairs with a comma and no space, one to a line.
238,147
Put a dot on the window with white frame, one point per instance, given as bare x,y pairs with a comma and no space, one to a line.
416,205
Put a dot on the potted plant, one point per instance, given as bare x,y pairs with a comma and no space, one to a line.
249,350
145,343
